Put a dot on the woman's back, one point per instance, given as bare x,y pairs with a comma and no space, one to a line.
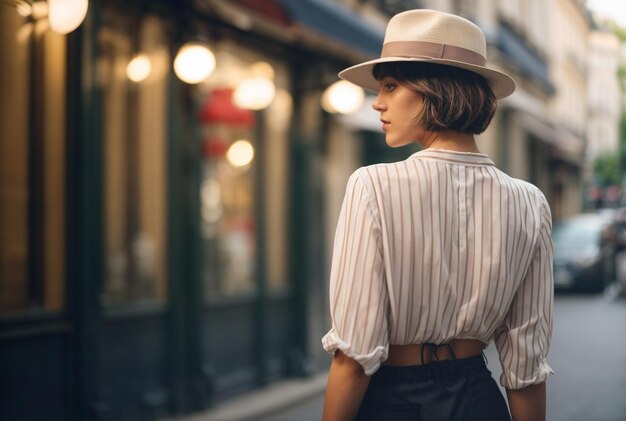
441,251
457,240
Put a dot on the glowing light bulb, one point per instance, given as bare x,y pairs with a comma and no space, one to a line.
194,62
66,15
240,153
139,68
254,94
343,97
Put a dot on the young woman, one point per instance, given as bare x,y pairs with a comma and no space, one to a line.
438,255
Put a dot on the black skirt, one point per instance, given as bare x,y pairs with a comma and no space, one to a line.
449,390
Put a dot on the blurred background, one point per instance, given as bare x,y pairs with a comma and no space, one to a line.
171,174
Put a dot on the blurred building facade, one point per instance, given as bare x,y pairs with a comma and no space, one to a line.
569,69
162,249
605,96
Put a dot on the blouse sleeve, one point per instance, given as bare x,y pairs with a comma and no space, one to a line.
358,294
524,338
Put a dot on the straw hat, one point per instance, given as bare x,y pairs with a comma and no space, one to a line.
430,36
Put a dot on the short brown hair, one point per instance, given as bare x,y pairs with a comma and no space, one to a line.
454,99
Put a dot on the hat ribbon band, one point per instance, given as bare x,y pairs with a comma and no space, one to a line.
421,49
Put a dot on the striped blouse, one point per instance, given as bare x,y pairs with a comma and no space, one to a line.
441,246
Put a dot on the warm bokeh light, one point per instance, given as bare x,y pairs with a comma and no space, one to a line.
194,62
139,68
24,9
262,69
66,15
240,153
39,10
343,97
255,93
24,33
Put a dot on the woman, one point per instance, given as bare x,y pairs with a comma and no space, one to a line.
438,255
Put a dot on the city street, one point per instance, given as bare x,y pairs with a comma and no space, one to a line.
588,356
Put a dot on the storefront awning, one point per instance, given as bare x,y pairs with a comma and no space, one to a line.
338,22
320,25
566,146
530,115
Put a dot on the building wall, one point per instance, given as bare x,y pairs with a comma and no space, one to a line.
604,94
547,128
568,53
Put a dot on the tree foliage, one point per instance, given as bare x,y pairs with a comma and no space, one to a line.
606,170
622,139
611,25
620,32
621,75
622,129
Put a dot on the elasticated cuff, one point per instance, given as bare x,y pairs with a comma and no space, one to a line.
370,361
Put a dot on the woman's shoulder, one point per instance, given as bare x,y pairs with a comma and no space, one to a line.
378,176
533,193
529,187
382,171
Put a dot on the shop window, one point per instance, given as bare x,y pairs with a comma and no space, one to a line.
237,189
227,194
133,71
32,166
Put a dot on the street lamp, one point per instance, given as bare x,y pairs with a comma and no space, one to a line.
194,62
240,153
66,15
139,68
255,93
343,97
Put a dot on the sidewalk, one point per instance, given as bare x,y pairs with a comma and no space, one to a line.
263,402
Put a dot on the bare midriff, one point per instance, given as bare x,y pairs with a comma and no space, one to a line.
406,355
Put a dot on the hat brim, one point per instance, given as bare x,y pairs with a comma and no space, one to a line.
501,84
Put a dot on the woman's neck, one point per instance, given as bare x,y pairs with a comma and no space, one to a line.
450,140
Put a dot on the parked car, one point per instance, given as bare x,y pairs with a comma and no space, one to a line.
584,253
620,251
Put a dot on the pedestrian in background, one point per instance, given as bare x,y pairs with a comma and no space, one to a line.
438,255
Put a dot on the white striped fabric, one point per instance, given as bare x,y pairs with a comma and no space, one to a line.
441,246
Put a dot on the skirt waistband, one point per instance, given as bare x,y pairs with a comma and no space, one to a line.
434,370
